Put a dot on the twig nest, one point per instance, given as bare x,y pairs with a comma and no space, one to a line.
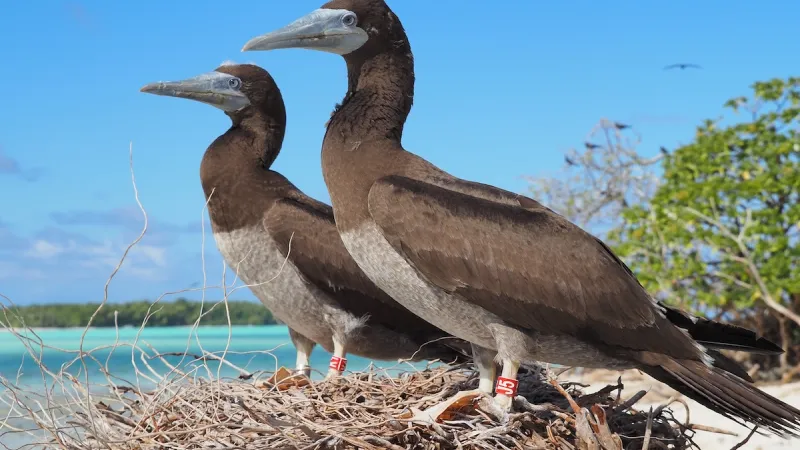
431,409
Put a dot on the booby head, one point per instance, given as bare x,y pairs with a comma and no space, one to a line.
344,27
241,90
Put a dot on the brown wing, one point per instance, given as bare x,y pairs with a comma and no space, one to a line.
528,265
320,256
491,193
709,333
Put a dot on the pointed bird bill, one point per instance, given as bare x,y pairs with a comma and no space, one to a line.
328,30
217,89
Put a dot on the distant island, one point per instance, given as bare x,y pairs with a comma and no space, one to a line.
179,312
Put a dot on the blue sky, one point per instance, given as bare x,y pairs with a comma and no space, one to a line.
503,89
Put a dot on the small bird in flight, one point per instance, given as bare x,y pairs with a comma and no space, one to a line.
682,66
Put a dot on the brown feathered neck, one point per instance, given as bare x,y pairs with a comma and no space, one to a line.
380,93
235,172
259,134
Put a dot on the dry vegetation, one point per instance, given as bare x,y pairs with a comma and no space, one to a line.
362,410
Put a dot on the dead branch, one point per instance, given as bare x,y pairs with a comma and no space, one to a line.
602,178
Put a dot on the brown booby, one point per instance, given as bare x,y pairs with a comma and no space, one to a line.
498,269
283,243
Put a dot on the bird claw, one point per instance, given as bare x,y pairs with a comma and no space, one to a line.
306,372
498,406
333,374
504,402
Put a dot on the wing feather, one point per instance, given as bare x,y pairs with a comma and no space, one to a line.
522,262
304,229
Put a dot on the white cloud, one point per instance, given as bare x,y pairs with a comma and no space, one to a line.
156,255
149,274
10,270
144,261
41,249
76,264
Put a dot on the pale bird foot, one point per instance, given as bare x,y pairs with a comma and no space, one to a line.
333,374
503,402
497,411
497,407
304,372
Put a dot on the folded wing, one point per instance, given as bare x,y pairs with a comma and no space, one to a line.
304,230
527,265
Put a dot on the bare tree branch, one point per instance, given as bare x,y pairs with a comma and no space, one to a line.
600,180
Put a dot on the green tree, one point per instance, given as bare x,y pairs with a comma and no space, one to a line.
176,313
721,235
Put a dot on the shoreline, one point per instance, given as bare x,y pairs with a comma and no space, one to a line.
6,329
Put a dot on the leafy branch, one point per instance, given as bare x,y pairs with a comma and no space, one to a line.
739,239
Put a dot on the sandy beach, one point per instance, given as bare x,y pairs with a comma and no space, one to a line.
658,393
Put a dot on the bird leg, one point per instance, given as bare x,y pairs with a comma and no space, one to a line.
303,364
304,348
507,383
338,360
484,362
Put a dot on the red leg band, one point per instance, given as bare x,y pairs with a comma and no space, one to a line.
506,386
338,364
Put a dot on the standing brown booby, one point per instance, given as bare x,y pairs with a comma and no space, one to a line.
495,268
284,244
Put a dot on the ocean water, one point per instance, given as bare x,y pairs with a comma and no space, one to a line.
258,350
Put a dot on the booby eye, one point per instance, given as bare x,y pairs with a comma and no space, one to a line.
349,20
234,83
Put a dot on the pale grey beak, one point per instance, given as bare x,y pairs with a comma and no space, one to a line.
217,89
326,30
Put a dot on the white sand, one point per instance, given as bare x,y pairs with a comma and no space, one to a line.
658,393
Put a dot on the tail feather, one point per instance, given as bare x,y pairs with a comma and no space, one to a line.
721,336
728,365
458,355
451,350
727,394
